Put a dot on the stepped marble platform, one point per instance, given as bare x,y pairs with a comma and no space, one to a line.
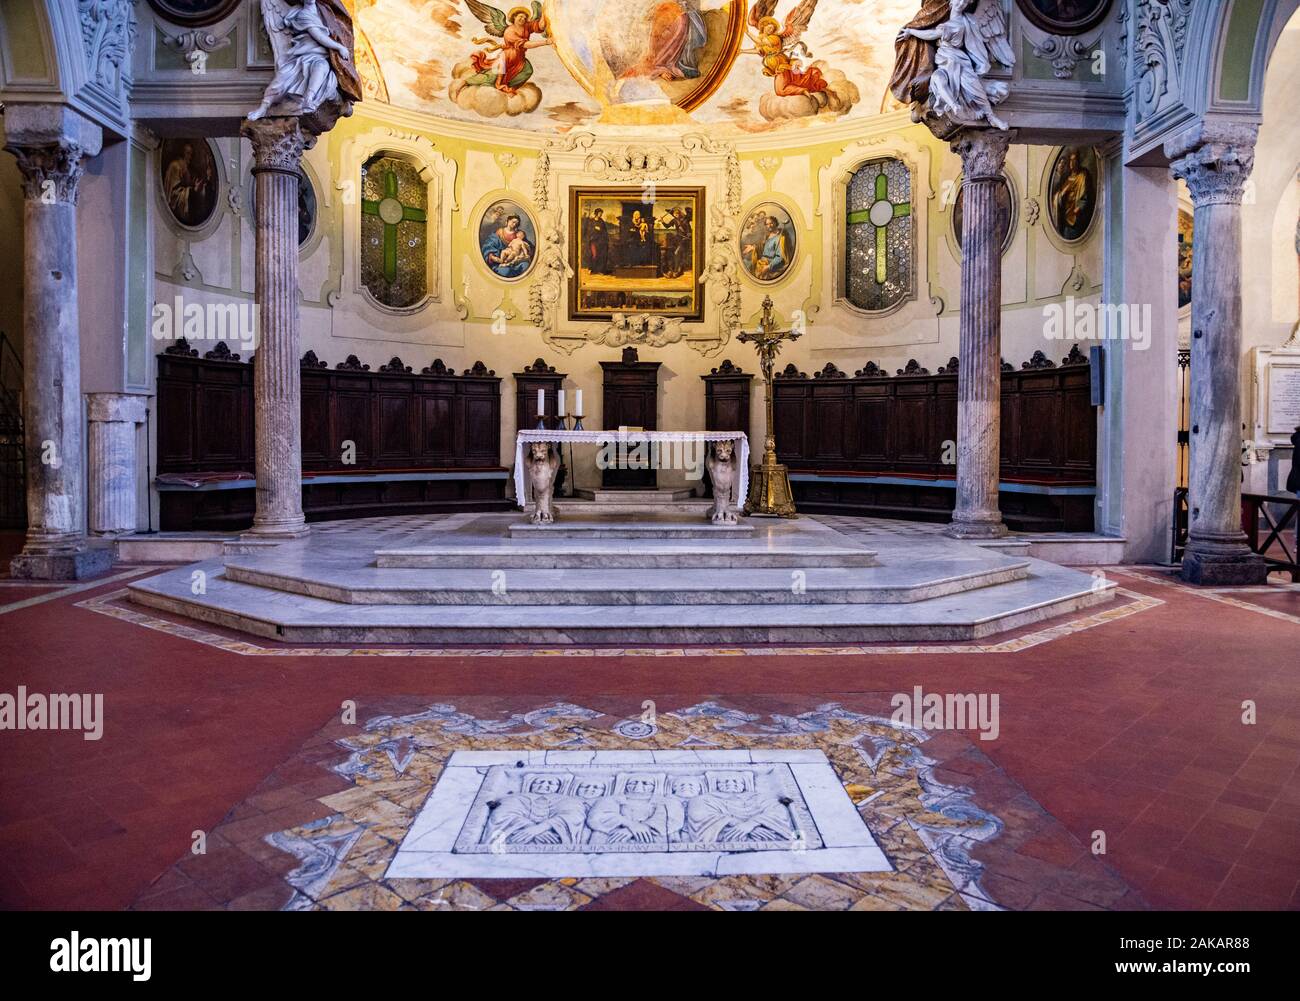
463,579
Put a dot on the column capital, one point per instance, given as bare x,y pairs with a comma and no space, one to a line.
983,152
278,143
1215,160
51,144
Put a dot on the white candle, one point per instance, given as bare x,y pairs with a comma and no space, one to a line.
559,410
541,403
577,404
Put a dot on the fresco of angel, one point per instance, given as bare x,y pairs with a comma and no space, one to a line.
312,42
504,63
779,47
969,39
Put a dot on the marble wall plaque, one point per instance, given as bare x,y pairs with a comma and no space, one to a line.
1283,397
636,813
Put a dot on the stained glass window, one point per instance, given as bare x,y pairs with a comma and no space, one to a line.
878,240
394,231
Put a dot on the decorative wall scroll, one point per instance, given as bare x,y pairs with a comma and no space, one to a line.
1065,17
1072,186
189,181
769,242
507,239
193,13
635,251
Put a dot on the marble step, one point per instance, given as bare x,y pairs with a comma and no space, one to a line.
349,584
570,508
576,554
662,495
638,526
1047,591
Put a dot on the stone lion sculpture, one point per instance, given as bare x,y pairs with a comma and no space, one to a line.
540,467
724,471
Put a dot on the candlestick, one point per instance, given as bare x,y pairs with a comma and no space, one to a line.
541,409
577,403
559,410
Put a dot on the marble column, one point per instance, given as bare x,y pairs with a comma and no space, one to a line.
979,374
278,145
111,453
52,144
1216,161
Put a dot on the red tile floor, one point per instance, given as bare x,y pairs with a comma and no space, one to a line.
1131,727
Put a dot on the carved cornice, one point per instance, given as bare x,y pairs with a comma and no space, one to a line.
351,364
50,172
480,371
437,368
220,353
539,367
309,360
278,144
395,366
913,367
829,372
1038,360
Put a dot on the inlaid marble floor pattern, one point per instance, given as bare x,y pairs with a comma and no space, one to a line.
562,806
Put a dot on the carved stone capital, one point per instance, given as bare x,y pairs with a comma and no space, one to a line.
278,144
1216,173
52,172
983,152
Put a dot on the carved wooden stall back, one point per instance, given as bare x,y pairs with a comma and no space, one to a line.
631,399
875,443
726,404
379,441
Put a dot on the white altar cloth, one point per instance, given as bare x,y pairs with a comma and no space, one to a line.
632,439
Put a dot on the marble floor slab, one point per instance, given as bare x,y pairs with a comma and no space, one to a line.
602,813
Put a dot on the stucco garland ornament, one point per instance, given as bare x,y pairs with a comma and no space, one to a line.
553,272
541,465
943,58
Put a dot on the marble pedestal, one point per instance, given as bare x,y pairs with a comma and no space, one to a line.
113,419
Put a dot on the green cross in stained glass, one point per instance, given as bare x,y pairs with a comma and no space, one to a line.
880,214
391,212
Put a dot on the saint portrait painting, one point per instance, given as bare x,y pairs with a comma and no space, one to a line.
507,239
189,182
636,250
1072,191
767,242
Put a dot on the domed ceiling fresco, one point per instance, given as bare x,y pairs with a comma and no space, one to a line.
738,65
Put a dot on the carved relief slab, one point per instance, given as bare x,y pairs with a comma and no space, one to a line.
609,813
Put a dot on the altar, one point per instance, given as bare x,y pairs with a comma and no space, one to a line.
629,443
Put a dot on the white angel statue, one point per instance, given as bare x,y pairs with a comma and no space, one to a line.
312,42
974,35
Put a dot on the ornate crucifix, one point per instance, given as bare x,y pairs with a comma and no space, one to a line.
769,487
